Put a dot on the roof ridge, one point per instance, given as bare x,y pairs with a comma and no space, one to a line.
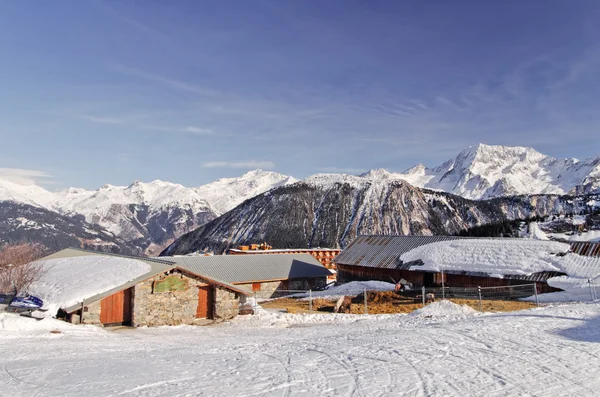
121,255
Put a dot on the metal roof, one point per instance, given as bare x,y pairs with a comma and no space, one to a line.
586,248
248,268
284,250
384,251
74,252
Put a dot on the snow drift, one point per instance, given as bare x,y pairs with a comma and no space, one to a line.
444,308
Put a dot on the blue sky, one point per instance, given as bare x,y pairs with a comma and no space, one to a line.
101,92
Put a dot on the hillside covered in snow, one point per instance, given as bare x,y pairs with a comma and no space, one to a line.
330,210
485,171
147,216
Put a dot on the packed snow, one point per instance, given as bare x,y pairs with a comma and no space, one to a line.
14,325
68,281
444,308
549,351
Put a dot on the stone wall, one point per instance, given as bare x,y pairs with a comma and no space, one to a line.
171,307
227,304
307,283
91,314
165,308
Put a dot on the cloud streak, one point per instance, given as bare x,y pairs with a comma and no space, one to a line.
24,176
173,83
151,127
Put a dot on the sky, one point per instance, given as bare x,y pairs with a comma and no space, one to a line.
100,92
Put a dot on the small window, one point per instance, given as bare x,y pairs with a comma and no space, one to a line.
255,287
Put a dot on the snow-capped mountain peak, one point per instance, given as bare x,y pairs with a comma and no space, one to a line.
486,171
226,193
147,213
378,173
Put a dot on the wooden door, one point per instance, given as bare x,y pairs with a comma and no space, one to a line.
205,302
116,308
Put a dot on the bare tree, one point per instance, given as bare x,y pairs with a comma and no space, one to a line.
17,268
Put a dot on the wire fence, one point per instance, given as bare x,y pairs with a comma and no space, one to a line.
481,294
305,299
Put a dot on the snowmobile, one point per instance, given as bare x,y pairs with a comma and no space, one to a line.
28,305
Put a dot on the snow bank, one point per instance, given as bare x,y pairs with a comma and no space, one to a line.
13,325
444,308
68,281
271,319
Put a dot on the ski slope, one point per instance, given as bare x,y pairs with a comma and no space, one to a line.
442,351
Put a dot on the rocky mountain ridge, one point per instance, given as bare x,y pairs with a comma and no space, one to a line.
148,216
329,211
487,171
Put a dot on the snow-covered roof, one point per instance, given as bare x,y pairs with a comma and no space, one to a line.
74,277
383,251
69,281
495,257
518,258
508,257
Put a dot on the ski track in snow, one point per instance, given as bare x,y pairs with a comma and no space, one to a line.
540,352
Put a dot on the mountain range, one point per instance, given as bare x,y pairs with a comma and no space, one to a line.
484,171
330,211
146,217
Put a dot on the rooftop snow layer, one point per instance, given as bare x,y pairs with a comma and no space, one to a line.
498,257
491,256
68,281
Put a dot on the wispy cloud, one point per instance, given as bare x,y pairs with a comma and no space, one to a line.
240,164
25,177
145,126
174,83
143,28
104,120
198,131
